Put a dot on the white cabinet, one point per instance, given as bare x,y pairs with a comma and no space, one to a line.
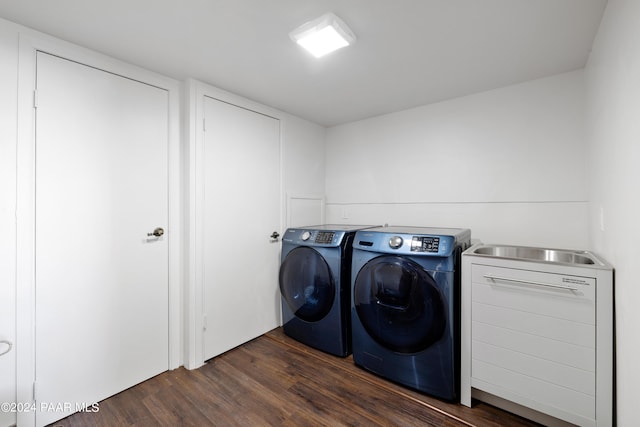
539,335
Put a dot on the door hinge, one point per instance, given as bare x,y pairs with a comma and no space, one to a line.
34,391
204,322
204,125
35,99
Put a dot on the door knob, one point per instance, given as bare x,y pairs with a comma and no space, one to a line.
275,235
157,232
8,349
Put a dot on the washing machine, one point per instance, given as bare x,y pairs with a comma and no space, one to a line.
405,308
315,285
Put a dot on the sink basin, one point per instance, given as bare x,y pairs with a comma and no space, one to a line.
560,256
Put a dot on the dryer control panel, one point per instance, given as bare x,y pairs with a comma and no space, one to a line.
329,235
325,237
308,237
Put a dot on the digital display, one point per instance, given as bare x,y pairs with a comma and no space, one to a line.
425,244
324,237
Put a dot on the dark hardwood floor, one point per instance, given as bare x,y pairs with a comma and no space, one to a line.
276,381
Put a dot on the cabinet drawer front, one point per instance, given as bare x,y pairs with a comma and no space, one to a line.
566,354
548,371
554,295
532,392
582,334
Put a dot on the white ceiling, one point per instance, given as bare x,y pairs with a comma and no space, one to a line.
407,53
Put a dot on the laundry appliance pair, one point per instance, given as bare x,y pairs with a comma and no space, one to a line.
390,295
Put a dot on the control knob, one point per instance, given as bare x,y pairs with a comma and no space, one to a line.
305,235
395,242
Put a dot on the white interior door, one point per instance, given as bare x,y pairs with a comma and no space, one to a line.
241,162
101,310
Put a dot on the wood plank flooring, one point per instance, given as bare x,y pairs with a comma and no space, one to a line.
276,381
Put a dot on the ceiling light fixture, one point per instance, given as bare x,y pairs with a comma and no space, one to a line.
323,35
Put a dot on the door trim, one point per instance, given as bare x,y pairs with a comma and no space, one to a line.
195,93
29,43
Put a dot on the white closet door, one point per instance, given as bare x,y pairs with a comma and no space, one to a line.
101,282
241,210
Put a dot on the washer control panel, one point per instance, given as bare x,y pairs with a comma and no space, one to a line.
413,241
425,244
418,243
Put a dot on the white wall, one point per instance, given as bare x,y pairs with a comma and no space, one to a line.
303,156
8,118
613,100
303,168
510,164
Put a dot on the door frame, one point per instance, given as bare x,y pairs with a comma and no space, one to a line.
29,43
195,93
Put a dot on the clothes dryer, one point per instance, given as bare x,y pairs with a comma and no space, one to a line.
315,284
405,306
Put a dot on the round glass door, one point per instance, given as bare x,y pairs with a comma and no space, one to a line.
399,304
306,284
